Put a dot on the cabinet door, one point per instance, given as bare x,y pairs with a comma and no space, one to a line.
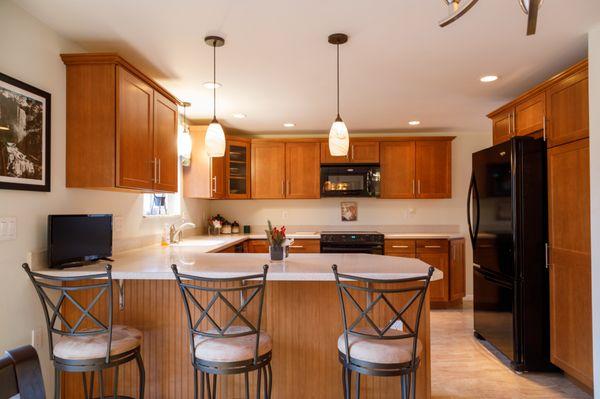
570,259
268,170
530,115
364,151
458,283
217,178
305,247
135,134
398,169
327,158
502,126
434,169
258,246
237,169
165,144
403,248
567,109
302,170
438,290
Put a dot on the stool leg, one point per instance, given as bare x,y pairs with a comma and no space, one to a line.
214,387
142,371
195,383
209,391
91,385
259,372
56,383
116,382
101,383
247,385
266,389
85,391
413,384
270,379
201,385
357,385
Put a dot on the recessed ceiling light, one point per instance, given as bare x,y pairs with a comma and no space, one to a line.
414,123
289,124
239,115
489,78
211,85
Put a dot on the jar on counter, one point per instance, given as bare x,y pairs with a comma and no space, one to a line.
226,229
235,228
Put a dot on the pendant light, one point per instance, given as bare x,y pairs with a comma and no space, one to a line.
214,139
185,139
338,134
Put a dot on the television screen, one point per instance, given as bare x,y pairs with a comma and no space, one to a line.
77,239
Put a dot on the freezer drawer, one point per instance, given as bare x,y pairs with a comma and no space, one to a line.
493,311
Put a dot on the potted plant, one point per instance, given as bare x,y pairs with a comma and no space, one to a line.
277,239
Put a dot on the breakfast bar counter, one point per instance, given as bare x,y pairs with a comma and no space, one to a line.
301,313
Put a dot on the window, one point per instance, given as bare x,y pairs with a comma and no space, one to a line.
161,204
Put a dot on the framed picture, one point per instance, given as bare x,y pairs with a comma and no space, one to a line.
349,211
24,136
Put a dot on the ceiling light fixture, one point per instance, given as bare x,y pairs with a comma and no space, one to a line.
214,139
456,9
339,140
414,123
239,115
289,124
531,8
212,85
489,78
185,139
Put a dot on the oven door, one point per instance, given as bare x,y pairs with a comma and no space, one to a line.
349,181
329,248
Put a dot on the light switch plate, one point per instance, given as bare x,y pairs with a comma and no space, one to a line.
8,228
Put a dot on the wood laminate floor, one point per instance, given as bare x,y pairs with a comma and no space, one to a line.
461,367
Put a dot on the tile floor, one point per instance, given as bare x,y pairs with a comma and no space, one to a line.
464,368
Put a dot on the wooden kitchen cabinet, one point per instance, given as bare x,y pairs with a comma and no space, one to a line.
302,170
568,109
457,272
237,169
121,127
438,258
300,246
217,178
570,260
268,170
398,169
530,115
433,169
258,246
403,248
359,151
502,123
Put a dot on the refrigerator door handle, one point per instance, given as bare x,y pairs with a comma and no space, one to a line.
469,222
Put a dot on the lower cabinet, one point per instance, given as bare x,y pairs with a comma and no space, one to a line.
298,246
448,256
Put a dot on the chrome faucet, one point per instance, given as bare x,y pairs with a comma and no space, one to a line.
175,233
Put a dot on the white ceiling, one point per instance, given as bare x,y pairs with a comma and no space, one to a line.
277,66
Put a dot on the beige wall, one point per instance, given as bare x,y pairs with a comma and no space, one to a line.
373,211
594,68
30,53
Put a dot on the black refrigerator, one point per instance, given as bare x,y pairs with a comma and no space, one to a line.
507,217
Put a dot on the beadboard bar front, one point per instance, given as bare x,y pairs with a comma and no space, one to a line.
303,318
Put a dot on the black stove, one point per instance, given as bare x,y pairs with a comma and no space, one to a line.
366,242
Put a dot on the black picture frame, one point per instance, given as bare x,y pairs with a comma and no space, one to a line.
46,137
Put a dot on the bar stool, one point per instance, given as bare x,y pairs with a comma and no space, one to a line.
87,344
380,349
219,347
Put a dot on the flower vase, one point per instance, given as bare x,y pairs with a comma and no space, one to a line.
276,252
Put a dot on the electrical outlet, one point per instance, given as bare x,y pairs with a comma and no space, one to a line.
8,228
284,214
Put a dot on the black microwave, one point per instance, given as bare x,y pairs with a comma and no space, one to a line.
350,181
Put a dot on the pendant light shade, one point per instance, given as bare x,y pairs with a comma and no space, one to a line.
184,143
339,139
214,139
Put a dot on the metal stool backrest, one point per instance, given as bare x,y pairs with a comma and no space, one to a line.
21,374
48,286
415,287
253,284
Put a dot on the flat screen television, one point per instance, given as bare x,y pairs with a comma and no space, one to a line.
75,240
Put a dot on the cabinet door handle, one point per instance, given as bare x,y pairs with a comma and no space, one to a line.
546,254
214,179
289,187
158,171
353,152
413,186
544,127
433,246
399,246
153,170
419,186
297,246
283,188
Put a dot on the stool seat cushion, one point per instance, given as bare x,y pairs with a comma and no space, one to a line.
385,351
231,349
94,346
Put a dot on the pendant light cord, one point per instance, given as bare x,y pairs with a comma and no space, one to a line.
214,81
338,80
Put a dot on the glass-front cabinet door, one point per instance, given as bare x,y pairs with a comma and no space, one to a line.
238,169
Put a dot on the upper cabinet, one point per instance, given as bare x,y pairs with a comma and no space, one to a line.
285,169
557,110
416,169
237,169
359,151
568,109
121,126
